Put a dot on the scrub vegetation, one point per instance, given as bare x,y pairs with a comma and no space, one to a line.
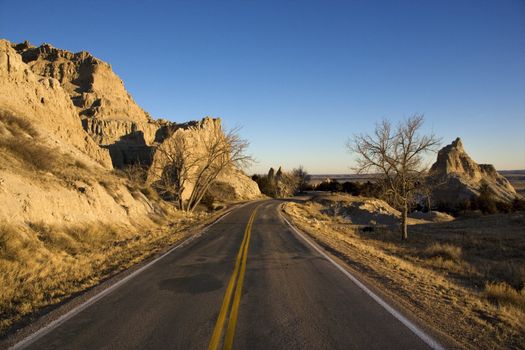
43,265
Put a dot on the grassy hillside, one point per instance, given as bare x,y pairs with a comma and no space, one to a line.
66,223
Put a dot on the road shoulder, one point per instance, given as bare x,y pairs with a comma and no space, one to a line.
371,281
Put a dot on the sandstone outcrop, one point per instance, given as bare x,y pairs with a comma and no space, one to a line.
230,184
40,130
43,101
95,89
82,106
108,112
456,177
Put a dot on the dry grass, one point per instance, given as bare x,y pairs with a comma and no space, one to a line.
16,126
444,251
465,277
19,138
504,295
43,265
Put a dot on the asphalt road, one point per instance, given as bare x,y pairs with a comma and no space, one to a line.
290,297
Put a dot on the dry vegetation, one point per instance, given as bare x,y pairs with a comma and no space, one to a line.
42,265
466,277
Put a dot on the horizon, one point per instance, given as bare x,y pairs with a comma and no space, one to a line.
303,78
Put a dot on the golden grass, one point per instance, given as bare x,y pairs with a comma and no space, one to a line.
465,277
42,265
444,251
505,295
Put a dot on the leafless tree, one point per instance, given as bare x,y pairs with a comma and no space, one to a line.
398,156
175,172
136,173
302,177
197,163
286,184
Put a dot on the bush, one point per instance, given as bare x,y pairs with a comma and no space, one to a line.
332,186
445,251
353,188
17,126
150,193
486,205
208,200
503,294
33,154
503,207
266,186
518,204
22,142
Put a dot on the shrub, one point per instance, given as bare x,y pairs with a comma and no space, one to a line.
332,186
150,193
208,201
354,188
445,251
503,294
135,173
266,185
32,153
17,126
81,165
518,204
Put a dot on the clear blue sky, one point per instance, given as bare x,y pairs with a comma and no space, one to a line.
303,76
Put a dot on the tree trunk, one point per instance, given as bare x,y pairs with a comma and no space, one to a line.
404,228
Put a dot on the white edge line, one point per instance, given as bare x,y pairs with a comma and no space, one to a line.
415,329
52,325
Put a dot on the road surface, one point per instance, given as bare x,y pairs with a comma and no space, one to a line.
275,292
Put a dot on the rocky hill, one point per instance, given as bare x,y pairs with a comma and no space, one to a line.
81,114
456,177
95,90
51,170
110,115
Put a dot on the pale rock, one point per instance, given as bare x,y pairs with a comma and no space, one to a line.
455,177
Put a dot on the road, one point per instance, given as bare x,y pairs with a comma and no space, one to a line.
275,292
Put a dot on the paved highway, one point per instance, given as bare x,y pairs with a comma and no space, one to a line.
250,282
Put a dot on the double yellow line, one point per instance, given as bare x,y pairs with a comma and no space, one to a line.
237,276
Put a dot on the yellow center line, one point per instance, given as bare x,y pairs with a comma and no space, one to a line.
232,322
240,264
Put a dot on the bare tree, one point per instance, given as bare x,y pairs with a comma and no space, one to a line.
397,155
176,171
136,173
197,164
302,177
287,184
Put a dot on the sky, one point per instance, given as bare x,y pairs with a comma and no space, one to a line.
302,77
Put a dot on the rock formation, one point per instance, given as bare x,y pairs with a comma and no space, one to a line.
231,182
43,101
94,88
83,108
456,177
40,130
108,112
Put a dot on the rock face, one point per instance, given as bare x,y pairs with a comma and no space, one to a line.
43,101
40,125
78,99
230,184
108,112
95,89
456,177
